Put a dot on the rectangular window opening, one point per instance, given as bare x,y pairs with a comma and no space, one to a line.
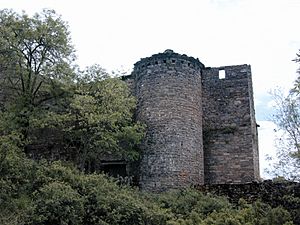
222,74
114,169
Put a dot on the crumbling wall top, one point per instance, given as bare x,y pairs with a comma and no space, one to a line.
169,56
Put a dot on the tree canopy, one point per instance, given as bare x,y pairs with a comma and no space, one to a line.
35,53
35,59
43,90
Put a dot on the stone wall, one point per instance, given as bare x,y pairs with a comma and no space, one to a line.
168,90
229,127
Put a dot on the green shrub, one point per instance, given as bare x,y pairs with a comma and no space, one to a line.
107,203
54,193
191,204
58,203
278,216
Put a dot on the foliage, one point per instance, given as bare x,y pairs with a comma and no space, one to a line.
186,202
43,193
193,208
101,117
111,204
287,119
55,193
96,120
42,91
34,51
35,59
15,180
58,203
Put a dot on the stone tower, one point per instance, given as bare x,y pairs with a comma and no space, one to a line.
229,125
168,90
200,121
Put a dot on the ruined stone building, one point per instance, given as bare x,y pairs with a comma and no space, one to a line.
201,126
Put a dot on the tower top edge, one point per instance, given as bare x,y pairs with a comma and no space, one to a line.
169,54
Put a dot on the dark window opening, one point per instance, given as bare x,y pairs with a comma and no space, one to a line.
114,169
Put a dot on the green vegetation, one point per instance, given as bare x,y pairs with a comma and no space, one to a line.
52,193
42,90
287,119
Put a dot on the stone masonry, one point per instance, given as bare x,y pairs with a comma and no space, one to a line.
229,126
168,90
200,122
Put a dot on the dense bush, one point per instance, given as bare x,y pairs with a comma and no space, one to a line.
58,203
53,193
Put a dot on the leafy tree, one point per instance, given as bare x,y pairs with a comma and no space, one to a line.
97,120
287,119
43,92
35,58
101,118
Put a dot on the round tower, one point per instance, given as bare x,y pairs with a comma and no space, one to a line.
168,90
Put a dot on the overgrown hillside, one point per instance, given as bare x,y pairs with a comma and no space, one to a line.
52,193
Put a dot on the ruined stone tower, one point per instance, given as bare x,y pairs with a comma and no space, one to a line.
200,122
168,90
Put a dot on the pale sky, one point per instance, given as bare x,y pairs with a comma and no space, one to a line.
117,33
